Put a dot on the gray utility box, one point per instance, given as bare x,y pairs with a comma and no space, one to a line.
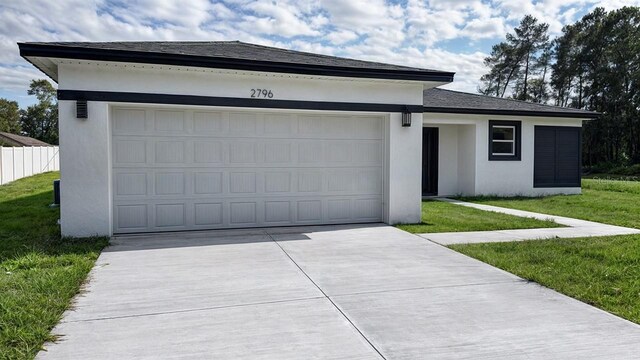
56,192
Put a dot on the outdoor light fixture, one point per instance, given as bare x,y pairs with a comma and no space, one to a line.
406,117
81,109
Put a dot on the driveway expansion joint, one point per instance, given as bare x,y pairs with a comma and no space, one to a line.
430,287
193,310
328,298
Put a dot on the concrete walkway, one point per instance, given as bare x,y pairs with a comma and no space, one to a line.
340,292
574,228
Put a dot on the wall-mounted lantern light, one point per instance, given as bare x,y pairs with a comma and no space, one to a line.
406,117
81,109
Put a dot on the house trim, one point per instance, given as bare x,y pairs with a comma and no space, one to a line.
517,145
174,99
562,114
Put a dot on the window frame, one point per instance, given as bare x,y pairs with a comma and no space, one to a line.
517,140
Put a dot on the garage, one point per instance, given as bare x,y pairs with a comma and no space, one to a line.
178,136
190,168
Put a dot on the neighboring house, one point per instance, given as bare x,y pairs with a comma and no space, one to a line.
165,136
9,139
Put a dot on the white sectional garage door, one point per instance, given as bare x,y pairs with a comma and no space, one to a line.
177,169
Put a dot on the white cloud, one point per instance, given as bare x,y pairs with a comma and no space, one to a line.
484,29
279,18
341,36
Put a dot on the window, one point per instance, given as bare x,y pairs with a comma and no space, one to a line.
504,140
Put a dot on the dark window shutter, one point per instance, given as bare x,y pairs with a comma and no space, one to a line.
557,161
568,156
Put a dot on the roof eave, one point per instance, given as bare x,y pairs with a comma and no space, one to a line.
559,114
66,52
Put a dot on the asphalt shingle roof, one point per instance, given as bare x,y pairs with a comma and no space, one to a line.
448,101
231,51
19,140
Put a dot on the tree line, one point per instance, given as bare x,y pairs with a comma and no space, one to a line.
39,121
594,64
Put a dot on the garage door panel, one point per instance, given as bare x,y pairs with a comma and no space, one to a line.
278,125
243,213
170,215
335,127
277,212
210,122
242,182
132,217
208,214
208,152
337,152
369,128
191,169
208,183
341,180
309,210
127,184
278,152
170,183
310,181
277,182
172,121
130,152
366,208
128,121
368,152
339,209
169,152
243,124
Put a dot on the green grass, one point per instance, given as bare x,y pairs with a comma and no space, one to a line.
39,272
612,202
602,271
612,177
438,216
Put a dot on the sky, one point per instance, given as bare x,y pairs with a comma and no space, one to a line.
449,35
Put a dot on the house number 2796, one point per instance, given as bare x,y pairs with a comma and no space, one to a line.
261,93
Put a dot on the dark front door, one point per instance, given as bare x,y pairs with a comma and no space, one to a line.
429,161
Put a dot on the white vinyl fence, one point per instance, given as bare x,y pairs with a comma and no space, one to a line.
19,162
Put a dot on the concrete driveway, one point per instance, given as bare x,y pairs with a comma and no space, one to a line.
341,292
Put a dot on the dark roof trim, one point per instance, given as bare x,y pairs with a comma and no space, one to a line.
150,98
563,114
143,57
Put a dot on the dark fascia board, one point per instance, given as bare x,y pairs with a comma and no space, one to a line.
143,57
591,115
173,99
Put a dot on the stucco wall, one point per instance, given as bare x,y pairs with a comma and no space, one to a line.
466,160
404,185
83,75
85,171
479,176
85,144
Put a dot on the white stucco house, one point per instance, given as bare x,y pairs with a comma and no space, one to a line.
170,136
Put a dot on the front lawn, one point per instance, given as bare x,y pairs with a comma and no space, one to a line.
601,271
438,216
39,272
612,202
